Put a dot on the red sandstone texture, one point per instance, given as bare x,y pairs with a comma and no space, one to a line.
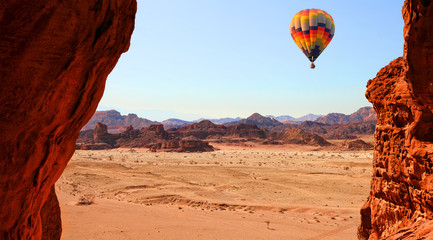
54,60
400,205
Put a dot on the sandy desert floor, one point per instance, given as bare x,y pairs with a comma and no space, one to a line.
243,192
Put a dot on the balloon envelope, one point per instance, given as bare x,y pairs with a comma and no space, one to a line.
312,30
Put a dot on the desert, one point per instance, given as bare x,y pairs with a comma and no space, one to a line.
247,191
215,61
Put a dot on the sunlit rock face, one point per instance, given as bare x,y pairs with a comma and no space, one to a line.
54,59
400,205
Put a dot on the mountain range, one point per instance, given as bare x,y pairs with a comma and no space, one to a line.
118,123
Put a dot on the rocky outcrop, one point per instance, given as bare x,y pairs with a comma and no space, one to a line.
336,131
101,135
201,130
258,120
54,60
116,122
299,136
144,137
248,131
363,114
174,123
154,137
400,205
182,146
356,145
350,130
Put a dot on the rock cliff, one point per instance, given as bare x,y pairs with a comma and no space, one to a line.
400,205
54,60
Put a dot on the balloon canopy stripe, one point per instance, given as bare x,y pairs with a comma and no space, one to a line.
312,30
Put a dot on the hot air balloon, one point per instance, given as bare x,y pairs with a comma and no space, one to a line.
312,30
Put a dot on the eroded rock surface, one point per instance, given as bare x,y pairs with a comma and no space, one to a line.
54,60
400,205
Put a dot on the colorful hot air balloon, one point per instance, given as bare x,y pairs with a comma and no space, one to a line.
312,30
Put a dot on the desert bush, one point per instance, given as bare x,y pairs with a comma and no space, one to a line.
86,199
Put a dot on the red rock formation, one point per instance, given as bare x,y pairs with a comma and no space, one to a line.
182,146
153,137
258,120
363,114
201,130
400,205
299,136
50,216
101,135
54,59
116,122
250,131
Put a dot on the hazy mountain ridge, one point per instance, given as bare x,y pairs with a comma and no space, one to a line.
290,119
258,120
220,120
363,114
174,123
117,122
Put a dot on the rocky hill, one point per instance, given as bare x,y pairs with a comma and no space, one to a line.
290,119
299,136
356,145
154,137
258,120
174,123
117,122
208,130
201,130
335,131
221,120
363,114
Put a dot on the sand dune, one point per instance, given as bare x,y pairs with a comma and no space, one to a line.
234,193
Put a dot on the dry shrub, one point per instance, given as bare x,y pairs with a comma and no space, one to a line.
86,199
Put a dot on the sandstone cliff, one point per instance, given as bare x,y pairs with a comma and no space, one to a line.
400,205
54,60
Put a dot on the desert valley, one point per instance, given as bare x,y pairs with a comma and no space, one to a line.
364,175
255,178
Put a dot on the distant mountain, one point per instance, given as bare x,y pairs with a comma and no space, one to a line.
283,119
363,114
220,120
290,119
117,122
332,131
174,123
257,119
309,117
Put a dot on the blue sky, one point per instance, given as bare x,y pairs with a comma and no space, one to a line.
227,58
